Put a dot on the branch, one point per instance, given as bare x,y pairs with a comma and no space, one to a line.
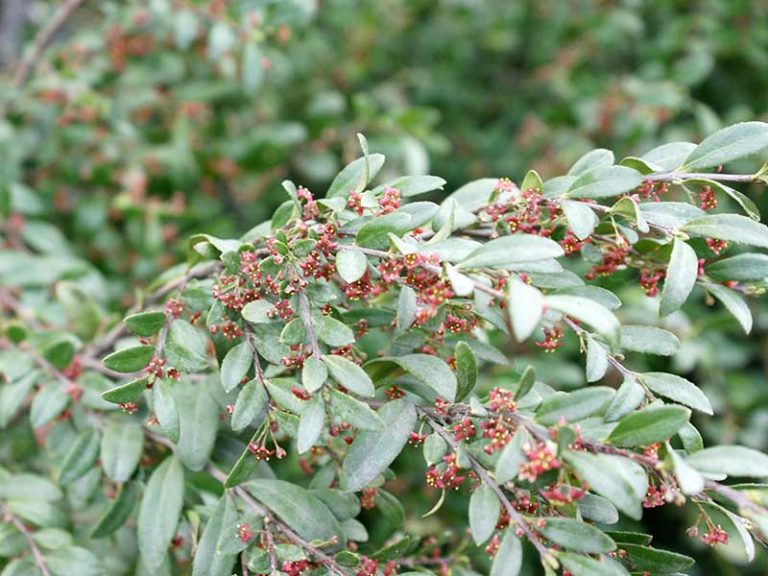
38,556
674,176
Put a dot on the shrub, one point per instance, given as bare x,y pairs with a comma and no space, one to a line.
250,411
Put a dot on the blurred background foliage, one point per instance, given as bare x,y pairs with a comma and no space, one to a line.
150,120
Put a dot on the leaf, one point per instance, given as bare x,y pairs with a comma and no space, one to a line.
259,312
434,449
145,323
484,509
357,413
129,392
82,311
73,560
351,265
429,370
413,185
654,560
581,218
462,285
526,306
597,508
573,406
735,304
80,457
579,565
310,425
729,144
250,406
406,308
649,340
742,200
185,348
118,512
298,508
509,557
730,460
313,374
514,249
48,403
160,511
574,534
689,480
236,365
598,158
349,375
166,412
605,182
678,389
751,267
618,479
597,360
669,156
333,332
512,456
681,277
373,451
376,232
130,359
527,381
198,423
587,311
356,175
466,370
649,425
731,227
209,561
121,448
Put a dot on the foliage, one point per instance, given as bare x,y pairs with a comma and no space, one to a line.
270,384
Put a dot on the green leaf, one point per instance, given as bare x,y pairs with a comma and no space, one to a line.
579,565
129,392
466,370
508,250
681,277
355,412
598,158
512,456
185,348
597,359
145,323
406,308
198,423
351,265
298,508
48,403
118,512
250,406
731,227
527,381
310,425
730,460
604,182
259,312
356,175
587,311
573,406
735,304
429,370
678,389
80,457
628,397
73,560
413,185
333,332
581,218
28,487
751,267
742,200
729,144
574,534
376,232
160,511
649,340
484,509
373,451
236,365
166,412
654,560
81,310
130,359
669,156
509,557
349,375
526,306
689,480
649,425
313,374
434,449
209,561
618,479
597,508
121,448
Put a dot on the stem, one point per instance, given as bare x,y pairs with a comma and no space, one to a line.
673,176
19,525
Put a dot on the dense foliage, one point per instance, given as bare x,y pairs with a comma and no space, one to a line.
396,373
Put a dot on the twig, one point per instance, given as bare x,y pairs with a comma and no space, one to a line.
38,556
306,317
673,176
40,43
